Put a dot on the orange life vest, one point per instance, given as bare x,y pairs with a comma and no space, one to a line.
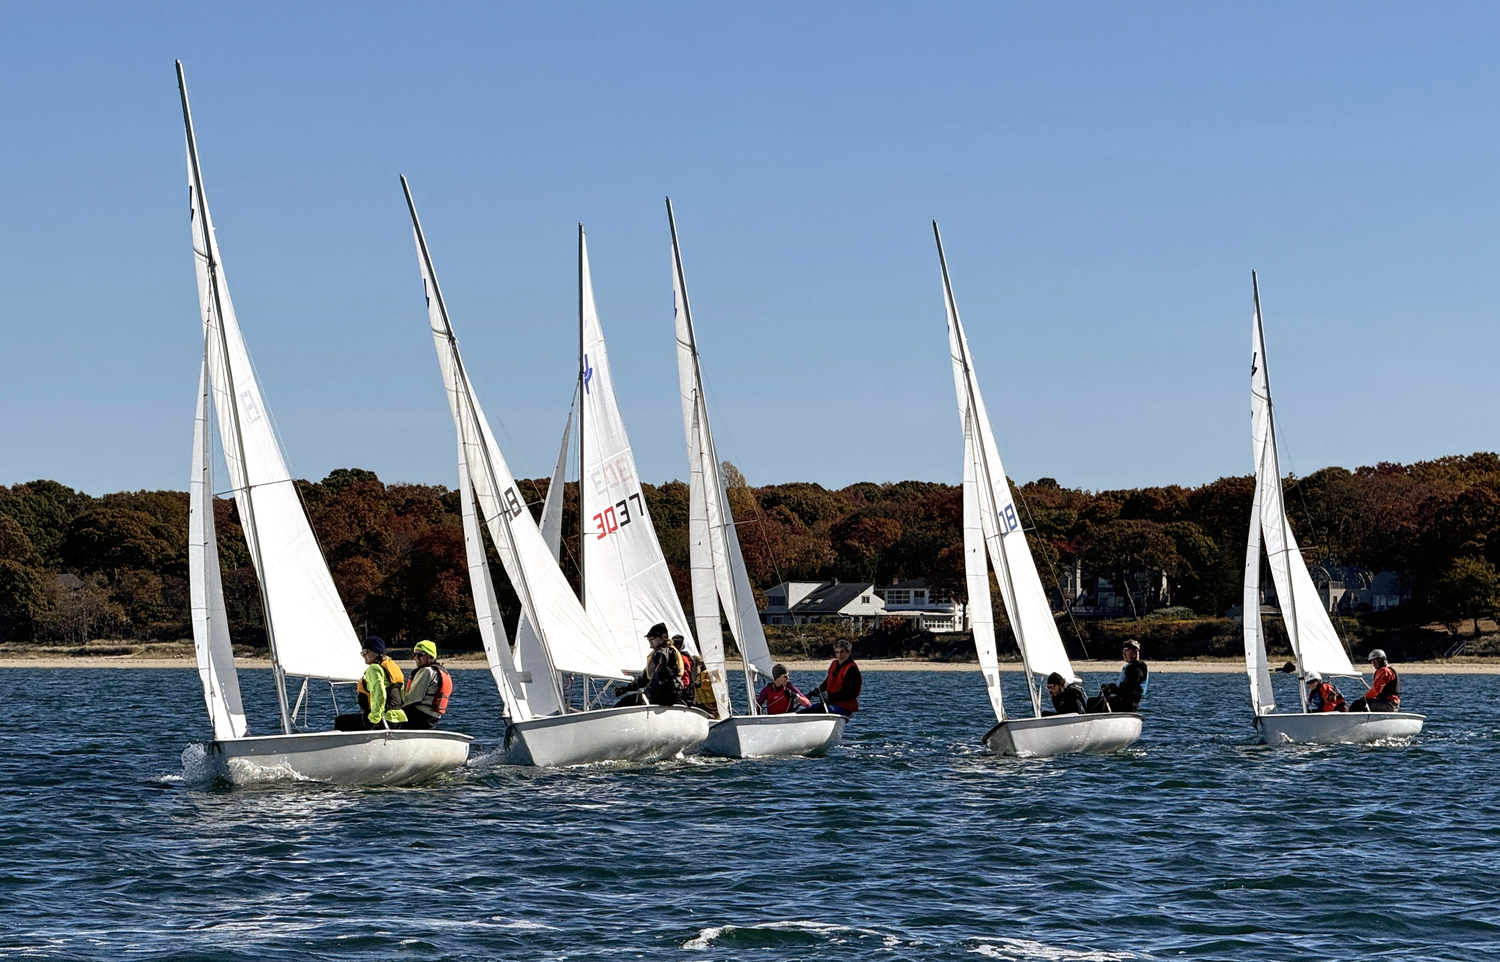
837,686
444,689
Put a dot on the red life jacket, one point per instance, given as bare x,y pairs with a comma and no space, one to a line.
1332,700
1385,685
837,686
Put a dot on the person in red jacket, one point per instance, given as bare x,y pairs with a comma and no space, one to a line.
840,690
781,696
1321,696
1385,689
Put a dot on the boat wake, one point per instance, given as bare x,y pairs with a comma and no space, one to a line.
779,934
1027,949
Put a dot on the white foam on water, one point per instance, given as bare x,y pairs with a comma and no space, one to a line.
1019,950
706,938
521,924
198,766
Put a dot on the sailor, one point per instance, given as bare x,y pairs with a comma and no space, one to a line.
380,688
840,690
781,696
687,663
662,678
1321,696
427,690
1127,693
1385,689
703,689
1067,696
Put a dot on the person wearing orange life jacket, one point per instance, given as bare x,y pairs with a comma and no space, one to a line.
427,690
1385,688
1321,696
380,692
840,690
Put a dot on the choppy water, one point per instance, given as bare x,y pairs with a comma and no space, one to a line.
907,843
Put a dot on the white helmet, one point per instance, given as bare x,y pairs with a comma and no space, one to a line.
1376,653
1311,678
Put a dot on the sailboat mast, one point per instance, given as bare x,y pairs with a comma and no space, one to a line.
251,530
1292,624
706,435
988,481
462,389
583,387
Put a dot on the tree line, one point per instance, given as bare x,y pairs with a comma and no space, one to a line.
75,567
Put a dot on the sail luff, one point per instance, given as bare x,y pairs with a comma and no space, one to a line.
309,631
701,572
543,695
977,577
211,641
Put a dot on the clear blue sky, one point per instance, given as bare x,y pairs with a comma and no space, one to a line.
1106,176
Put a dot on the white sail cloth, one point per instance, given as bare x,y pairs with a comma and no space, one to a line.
211,643
627,585
1020,586
1313,639
309,630
569,638
717,566
542,692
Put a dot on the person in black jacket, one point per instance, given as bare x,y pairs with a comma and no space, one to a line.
1127,693
662,678
1067,697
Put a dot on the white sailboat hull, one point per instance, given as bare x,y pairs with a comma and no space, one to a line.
1064,734
774,736
1337,728
638,733
378,757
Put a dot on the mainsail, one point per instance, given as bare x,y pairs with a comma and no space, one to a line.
716,564
543,695
1314,641
308,629
627,586
987,492
568,637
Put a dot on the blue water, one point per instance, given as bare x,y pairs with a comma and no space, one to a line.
906,843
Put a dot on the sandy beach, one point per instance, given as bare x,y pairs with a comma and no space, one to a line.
475,661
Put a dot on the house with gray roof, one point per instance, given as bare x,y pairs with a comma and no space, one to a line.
854,605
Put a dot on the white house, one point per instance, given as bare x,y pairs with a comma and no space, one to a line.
928,609
856,606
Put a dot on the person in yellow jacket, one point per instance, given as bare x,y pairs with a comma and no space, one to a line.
380,688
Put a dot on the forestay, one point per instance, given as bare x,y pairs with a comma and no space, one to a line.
1311,633
717,565
211,643
308,628
569,638
1015,570
627,585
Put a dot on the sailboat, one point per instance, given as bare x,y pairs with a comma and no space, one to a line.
991,526
309,633
717,568
1315,645
543,725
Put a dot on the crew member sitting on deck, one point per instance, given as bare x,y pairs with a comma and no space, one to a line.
378,690
703,689
427,690
1322,696
1067,697
781,696
1385,689
840,690
662,677
687,667
1127,694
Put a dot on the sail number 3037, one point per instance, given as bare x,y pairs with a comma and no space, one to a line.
615,517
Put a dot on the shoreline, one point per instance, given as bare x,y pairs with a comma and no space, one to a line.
469,662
